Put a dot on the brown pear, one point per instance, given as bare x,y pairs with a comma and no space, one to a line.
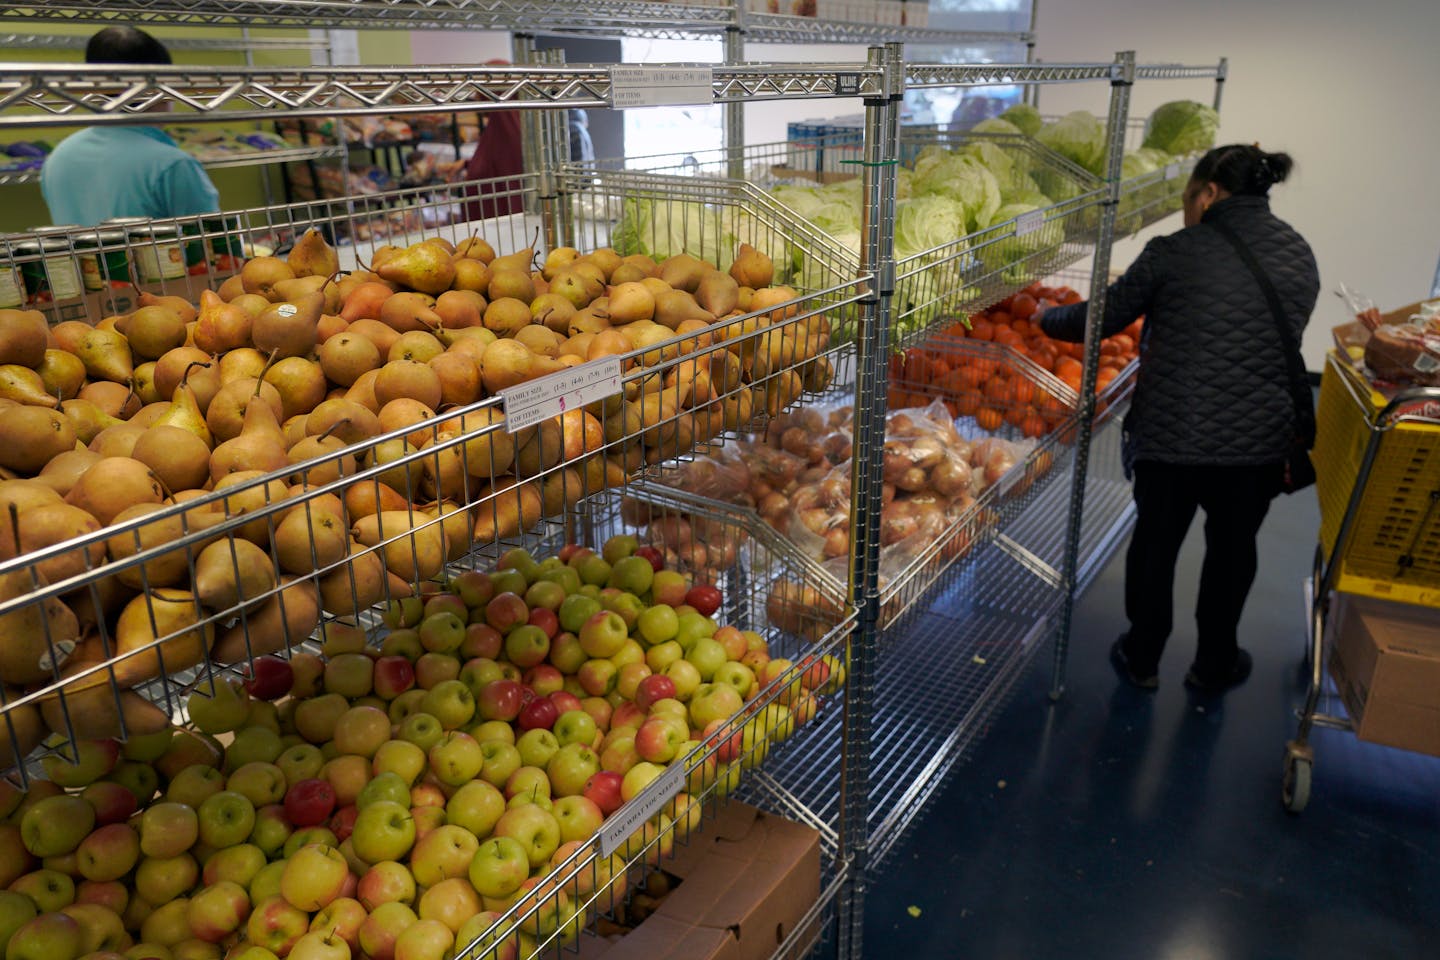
312,256
507,363
221,326
24,337
179,457
293,290
475,248
64,469
460,309
301,384
260,445
31,436
39,637
402,474
115,484
540,339
521,260
168,613
459,378
310,538
676,306
510,282
380,334
48,524
684,272
416,549
587,321
24,730
188,365
151,331
424,267
286,619
226,416
630,302
718,293
362,391
346,420
445,473
336,464
415,345
505,316
185,413
752,268
506,508
369,496
246,362
578,289
356,586
116,441
253,497
61,373
251,303
403,412
293,430
144,383
87,419
407,378
25,386
260,274
470,275
628,273
166,568
289,329
346,355
363,301
407,311
232,573
606,259
231,288
552,310
182,307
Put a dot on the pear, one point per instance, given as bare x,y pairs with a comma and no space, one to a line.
23,385
193,366
676,306
310,538
48,524
260,274
362,391
251,497
301,384
93,711
179,457
337,464
226,416
506,508
293,290
571,286
553,310
460,309
507,315
445,473
404,412
587,321
752,268
593,276
293,430
345,356
576,346
24,730
476,248
425,267
289,329
31,436
630,302
343,419
64,469
222,326
39,637
628,273
684,272
161,613
312,256
144,383
407,311
259,446
363,301
286,619
87,419
416,547
24,337
231,571
148,415
522,260
116,441
510,282
718,293
115,484
470,275
407,378
415,345
182,307
151,331
357,585
184,413
369,496
558,259
61,373
459,377
230,289
544,450
606,259
507,363
541,340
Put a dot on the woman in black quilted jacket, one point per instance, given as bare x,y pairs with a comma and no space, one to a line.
1213,415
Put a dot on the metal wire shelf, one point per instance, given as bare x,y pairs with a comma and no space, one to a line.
54,41
254,158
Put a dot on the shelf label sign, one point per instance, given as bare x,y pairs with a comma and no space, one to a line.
847,84
1029,222
631,817
526,404
639,86
1172,171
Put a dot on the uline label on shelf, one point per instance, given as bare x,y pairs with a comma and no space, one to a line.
528,403
631,817
1029,222
638,86
1172,170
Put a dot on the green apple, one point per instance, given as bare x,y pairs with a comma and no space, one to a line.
343,917
492,730
618,547
579,817
630,652
499,866
146,747
16,910
435,668
707,656
477,806
168,829
260,783
320,945
402,758
528,782
381,930
660,656
714,701
348,774
510,581
218,910
350,675
574,610
266,883
658,623
603,634
535,829
451,702
238,864
421,729
81,763
388,882
692,627
300,839
575,726
308,674
276,925
221,707
598,677
546,594
188,747
405,705
632,574
500,760
194,784
637,778
686,678
384,830
572,765
361,730
315,719
139,777
451,902
272,829
404,612
50,936
442,632
300,762
403,643
314,876
625,605
226,819
162,879
265,714
425,939
456,758
444,853
245,951
569,579
253,745
385,787
56,825
49,889
737,676
168,924
108,853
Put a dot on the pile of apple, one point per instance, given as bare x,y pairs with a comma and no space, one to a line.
113,423
402,801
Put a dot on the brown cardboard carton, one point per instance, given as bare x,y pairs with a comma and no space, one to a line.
1386,664
662,938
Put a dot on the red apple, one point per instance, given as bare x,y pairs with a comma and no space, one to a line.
544,679
481,640
655,687
539,713
568,551
704,598
546,620
564,701
656,558
342,824
506,611
270,678
500,700
309,802
393,676
603,789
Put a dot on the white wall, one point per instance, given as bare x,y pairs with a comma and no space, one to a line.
1347,87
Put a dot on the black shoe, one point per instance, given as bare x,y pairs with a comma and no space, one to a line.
1238,674
1122,667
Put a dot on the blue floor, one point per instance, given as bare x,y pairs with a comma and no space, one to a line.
1118,824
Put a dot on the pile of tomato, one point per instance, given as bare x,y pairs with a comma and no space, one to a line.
991,389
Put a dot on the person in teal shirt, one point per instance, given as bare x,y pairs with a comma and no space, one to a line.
104,172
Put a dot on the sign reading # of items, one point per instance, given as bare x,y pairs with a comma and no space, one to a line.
528,403
1029,222
637,86
618,828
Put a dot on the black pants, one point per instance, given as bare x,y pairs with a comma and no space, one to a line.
1235,500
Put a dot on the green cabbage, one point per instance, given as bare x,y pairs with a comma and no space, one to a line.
1008,253
925,223
1078,136
995,159
1182,127
996,125
1024,118
1136,164
661,229
963,178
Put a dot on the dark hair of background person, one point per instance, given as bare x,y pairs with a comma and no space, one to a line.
1243,169
125,45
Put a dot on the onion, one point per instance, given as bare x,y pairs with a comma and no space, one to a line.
1000,463
816,520
838,447
796,441
774,504
913,479
951,477
837,542
926,451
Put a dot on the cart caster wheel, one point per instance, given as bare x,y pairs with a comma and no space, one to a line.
1295,791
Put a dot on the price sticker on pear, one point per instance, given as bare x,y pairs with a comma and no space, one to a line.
528,403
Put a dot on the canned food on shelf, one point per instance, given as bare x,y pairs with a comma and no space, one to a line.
104,259
48,267
224,234
11,294
159,253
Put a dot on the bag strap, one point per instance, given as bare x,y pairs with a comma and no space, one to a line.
1299,388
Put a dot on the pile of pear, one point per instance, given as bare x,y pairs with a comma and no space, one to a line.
290,361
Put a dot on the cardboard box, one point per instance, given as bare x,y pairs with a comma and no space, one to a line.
1386,664
746,882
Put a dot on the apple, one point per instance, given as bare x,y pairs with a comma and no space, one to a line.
400,758
492,940
300,762
668,587
657,740
266,883
500,700
405,705
527,645
272,828
384,786
276,925
473,588
446,852
517,559
393,676
387,882
501,760
546,595
241,951
108,853
756,660
543,900
603,790
637,778
628,679
226,819
342,916
320,944
536,746
56,825
660,656
685,676
575,726
260,783
442,631
451,901
269,678
422,730
500,865
598,677
477,672
540,713
544,679
564,701
361,730
315,718
168,829
193,784
618,547
403,612
15,860
162,879
427,819
594,570
219,707
264,714
314,876
529,782
508,671
570,767
168,924
424,940
456,758
110,894
477,806
381,930
707,655
737,676
505,611
657,686
652,554
402,643
600,711
16,910
450,702
566,653
628,715
626,606
482,641
445,603
50,936
633,574
603,634
427,793
575,610
307,673
568,579
704,597
534,827
714,701
385,830
579,817
433,669
310,802
238,864
619,754
217,910
658,623
50,889
348,774
309,836
350,675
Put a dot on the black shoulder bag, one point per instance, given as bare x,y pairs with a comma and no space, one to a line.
1299,470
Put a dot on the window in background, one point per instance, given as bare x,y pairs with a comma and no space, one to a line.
656,130
962,108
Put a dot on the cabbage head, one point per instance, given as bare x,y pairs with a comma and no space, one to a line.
661,229
965,179
1024,118
996,125
1079,137
1136,164
1182,127
925,223
1008,253
995,159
